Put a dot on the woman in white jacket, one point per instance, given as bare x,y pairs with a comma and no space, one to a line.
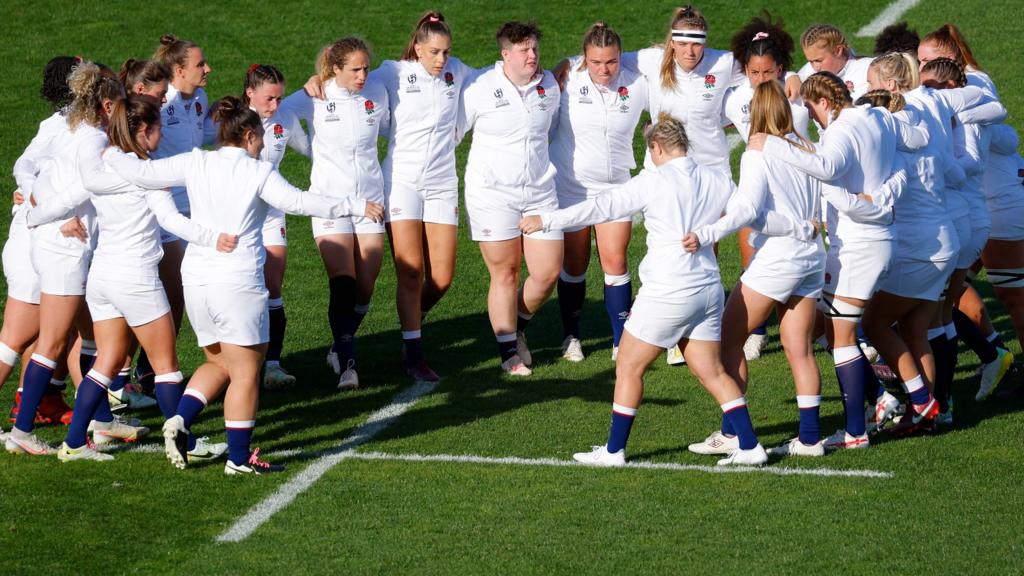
61,258
344,128
225,293
592,149
510,108
421,189
264,87
680,300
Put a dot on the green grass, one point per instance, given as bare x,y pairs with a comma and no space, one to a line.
952,507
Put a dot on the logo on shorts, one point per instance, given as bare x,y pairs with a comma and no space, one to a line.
449,79
370,108
623,93
709,81
486,232
278,131
396,211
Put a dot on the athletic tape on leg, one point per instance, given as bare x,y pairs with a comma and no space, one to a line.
1006,278
840,310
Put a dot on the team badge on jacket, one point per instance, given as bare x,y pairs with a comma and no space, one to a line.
623,93
709,81
369,106
278,131
449,79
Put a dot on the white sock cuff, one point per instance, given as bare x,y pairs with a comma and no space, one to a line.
733,404
566,277
950,330
808,401
525,315
171,378
88,347
197,395
57,381
274,303
43,360
617,280
361,309
236,424
98,378
124,372
914,384
505,337
992,337
8,355
624,410
845,354
934,333
411,334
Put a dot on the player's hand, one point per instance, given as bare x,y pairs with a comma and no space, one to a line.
757,141
374,211
227,242
866,197
690,242
18,198
74,229
816,226
531,224
793,88
314,87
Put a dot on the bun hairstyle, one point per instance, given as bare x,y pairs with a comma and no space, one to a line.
946,70
897,37
828,86
129,115
669,133
512,33
763,37
431,23
55,81
236,121
90,87
891,101
258,75
337,54
898,66
599,35
948,38
832,37
145,72
685,18
173,51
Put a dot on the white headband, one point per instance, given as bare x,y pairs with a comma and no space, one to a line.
690,35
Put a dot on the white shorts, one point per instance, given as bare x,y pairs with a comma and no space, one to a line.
664,323
275,232
22,280
1007,224
228,314
971,252
963,234
566,199
920,279
138,304
780,283
346,225
407,202
494,221
61,274
856,269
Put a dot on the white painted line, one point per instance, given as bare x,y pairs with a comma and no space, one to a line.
890,15
301,482
773,470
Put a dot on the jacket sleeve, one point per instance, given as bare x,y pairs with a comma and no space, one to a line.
277,192
152,174
827,164
624,201
744,205
161,204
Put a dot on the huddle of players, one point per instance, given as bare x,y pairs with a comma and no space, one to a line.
551,157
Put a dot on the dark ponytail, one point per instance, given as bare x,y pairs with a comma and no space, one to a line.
258,75
763,37
236,121
432,22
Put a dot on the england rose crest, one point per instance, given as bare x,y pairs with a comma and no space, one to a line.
623,93
278,131
709,81
449,79
540,92
370,108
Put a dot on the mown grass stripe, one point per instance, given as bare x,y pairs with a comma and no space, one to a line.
890,15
